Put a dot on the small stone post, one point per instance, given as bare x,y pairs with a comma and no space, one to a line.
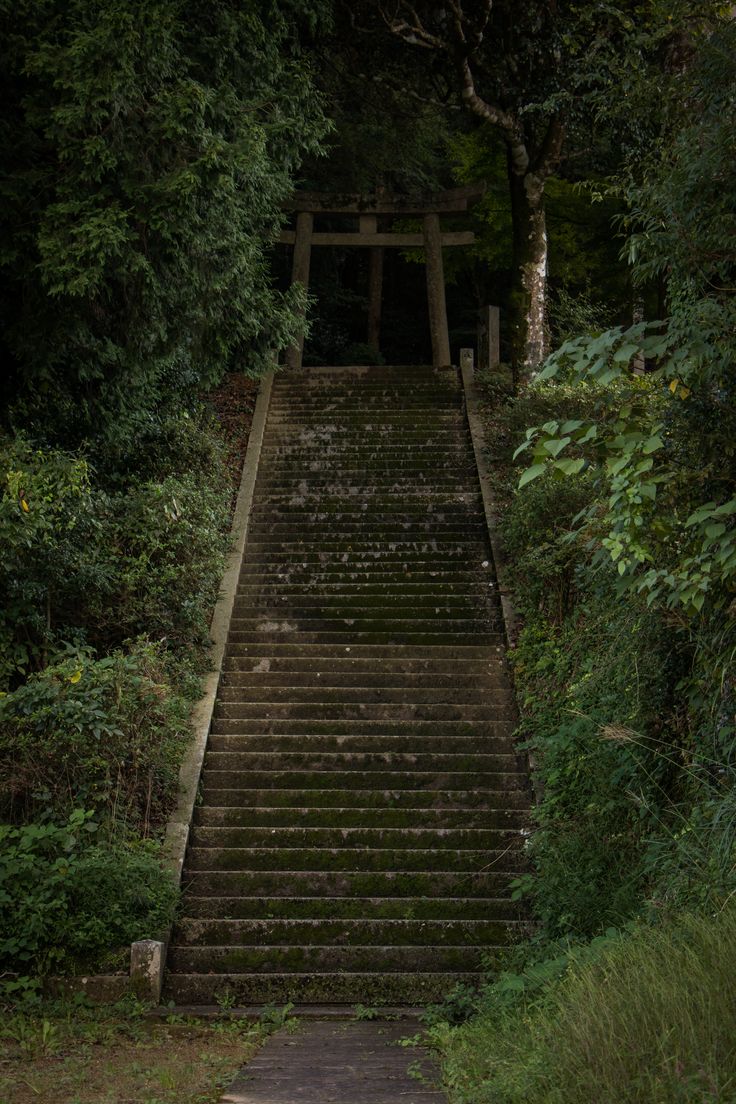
489,339
147,958
467,361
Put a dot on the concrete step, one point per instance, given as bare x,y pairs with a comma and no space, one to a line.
335,604
341,665
440,658
363,806
372,743
234,689
359,711
415,729
281,677
362,639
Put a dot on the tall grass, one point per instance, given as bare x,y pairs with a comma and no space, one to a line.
650,1020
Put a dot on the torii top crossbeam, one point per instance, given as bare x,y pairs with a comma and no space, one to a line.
368,208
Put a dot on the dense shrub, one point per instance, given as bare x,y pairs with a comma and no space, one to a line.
148,148
103,733
595,694
103,564
68,900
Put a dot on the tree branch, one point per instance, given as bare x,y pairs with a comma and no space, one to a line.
550,153
497,117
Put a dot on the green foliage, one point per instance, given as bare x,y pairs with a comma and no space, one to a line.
106,565
104,733
594,694
148,149
665,454
66,900
639,1017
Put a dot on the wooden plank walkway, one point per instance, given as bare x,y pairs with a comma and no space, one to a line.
347,1062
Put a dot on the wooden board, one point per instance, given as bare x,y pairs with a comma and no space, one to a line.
456,199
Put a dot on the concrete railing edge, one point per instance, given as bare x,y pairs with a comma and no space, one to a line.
472,407
146,981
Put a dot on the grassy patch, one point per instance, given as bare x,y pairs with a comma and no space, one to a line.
95,1056
647,1018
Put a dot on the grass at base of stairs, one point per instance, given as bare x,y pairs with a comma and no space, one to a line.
650,1018
81,1055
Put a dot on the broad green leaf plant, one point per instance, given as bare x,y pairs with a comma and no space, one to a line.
660,519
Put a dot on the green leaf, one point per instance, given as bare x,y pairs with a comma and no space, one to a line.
570,467
625,352
555,446
531,473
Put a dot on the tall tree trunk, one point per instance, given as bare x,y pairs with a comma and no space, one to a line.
528,299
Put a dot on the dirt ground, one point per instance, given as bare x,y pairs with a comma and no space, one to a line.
84,1057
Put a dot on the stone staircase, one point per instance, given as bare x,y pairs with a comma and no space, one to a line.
362,806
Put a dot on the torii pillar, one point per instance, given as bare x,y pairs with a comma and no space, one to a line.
368,208
300,275
436,291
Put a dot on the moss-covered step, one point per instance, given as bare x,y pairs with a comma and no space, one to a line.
360,762
398,653
356,593
363,697
489,882
365,726
332,602
512,795
356,817
362,622
491,910
373,744
372,988
386,685
396,662
280,959
397,932
360,859
396,839
329,709
413,639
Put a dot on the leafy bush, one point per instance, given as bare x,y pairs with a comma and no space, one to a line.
148,150
68,901
104,733
542,565
162,551
102,566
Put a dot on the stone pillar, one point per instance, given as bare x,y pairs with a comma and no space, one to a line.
300,274
436,291
369,225
489,339
147,958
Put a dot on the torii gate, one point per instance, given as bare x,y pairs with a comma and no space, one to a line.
368,208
